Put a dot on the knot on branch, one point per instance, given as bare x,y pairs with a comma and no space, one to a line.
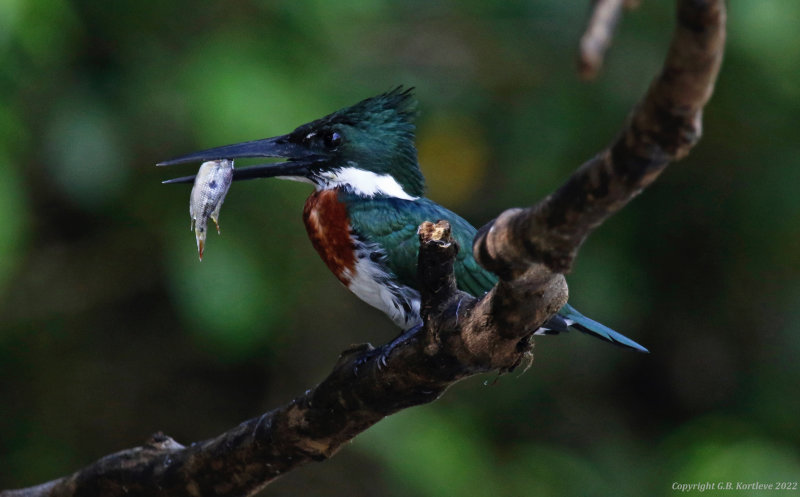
161,441
497,247
438,233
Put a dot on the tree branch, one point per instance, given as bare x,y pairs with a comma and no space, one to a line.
366,385
529,249
597,37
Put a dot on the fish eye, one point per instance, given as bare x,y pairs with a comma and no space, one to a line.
333,139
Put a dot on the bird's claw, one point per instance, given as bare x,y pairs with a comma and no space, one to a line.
381,354
363,359
387,349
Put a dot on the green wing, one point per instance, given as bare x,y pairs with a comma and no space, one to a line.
392,223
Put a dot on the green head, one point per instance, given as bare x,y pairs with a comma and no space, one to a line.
367,147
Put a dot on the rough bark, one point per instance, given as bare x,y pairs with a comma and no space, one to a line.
530,249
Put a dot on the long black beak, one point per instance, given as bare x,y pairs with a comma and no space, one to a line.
300,159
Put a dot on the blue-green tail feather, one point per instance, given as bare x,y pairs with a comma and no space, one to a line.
591,327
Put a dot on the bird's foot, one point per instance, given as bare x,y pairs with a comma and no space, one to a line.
382,354
364,353
387,349
366,357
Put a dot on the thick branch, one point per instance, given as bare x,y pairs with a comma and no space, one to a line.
663,127
366,385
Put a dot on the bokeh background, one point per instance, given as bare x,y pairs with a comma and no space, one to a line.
110,328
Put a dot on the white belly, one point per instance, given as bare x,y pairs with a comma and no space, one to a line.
373,285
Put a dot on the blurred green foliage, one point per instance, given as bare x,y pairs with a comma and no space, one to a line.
112,330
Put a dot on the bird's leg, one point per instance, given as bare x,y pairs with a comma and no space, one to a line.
387,349
384,351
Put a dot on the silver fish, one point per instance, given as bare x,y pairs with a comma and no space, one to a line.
210,187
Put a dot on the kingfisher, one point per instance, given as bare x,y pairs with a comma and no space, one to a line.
367,204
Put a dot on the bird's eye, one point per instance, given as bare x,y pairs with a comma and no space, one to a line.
333,139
